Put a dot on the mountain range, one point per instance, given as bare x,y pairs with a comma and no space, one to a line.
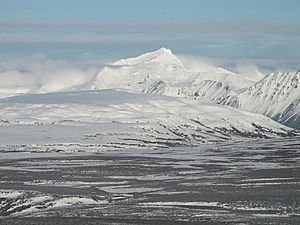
161,72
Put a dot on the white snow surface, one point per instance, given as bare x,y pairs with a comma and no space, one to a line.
34,202
161,72
118,117
108,105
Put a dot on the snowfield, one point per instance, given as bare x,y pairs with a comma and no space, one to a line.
112,118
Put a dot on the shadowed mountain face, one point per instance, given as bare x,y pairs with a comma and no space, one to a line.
161,72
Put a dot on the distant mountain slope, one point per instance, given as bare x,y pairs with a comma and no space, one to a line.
276,95
116,118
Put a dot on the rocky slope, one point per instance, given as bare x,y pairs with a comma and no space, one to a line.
276,96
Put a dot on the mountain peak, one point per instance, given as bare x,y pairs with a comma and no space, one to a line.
164,50
163,56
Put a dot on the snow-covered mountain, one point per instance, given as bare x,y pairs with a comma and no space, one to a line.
161,72
109,118
276,96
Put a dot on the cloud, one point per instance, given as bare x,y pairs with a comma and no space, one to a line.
39,74
253,41
249,70
252,68
197,63
240,46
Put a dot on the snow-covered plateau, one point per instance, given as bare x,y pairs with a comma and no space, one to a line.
112,118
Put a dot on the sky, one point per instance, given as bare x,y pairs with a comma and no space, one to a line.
265,33
124,10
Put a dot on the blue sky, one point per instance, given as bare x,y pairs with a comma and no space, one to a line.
120,10
264,32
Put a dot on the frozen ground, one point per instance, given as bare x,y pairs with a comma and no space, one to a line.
250,182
